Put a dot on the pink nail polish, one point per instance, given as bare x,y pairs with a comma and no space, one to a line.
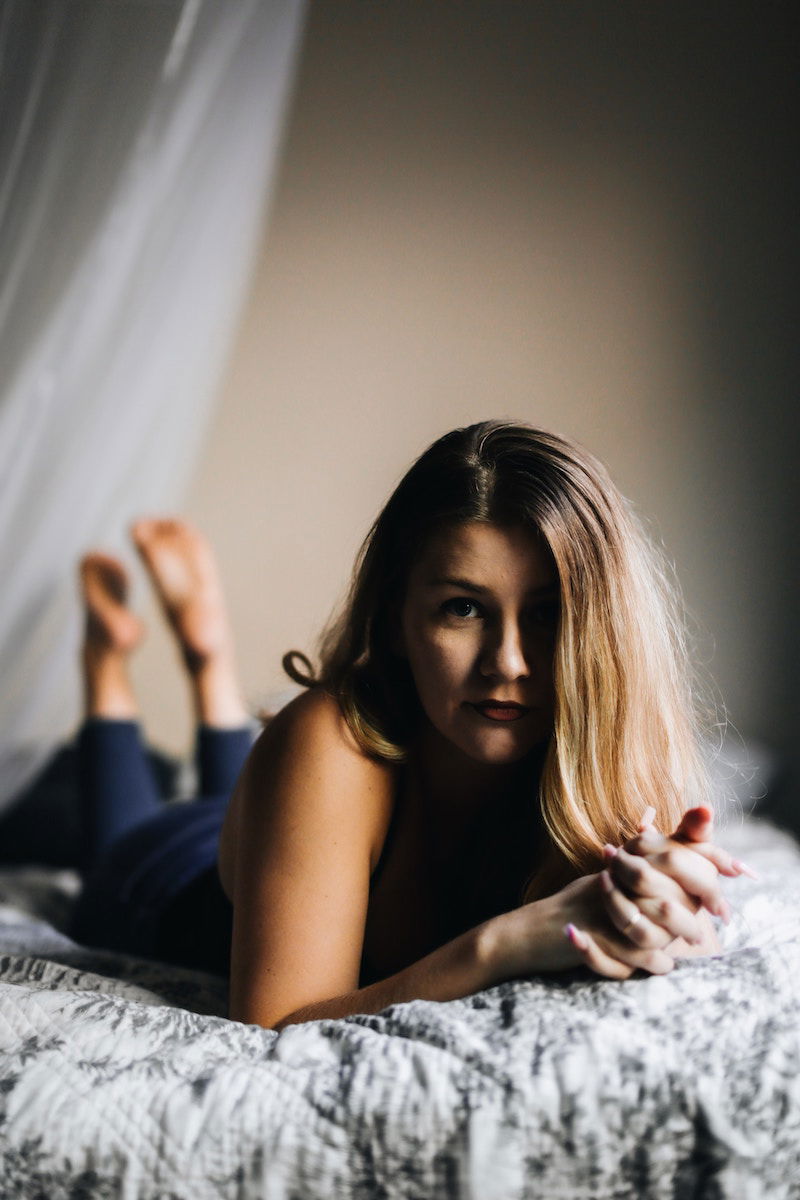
610,851
725,911
742,868
576,937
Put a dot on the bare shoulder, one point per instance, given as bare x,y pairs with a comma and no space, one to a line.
315,715
307,761
311,735
309,815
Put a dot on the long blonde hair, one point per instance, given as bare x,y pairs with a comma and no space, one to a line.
626,729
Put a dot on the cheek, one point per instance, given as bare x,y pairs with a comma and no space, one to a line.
438,663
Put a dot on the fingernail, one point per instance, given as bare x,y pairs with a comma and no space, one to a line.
648,816
576,937
610,851
742,868
606,882
724,911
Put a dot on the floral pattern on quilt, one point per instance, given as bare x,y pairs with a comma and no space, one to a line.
122,1078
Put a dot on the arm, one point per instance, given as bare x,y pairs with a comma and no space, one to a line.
459,968
309,810
526,941
653,894
311,814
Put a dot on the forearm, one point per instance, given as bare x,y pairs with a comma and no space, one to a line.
459,968
514,945
526,941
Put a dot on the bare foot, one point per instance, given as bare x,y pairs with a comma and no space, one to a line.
110,624
112,631
181,565
184,574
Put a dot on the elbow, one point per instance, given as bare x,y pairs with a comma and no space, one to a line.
257,1014
250,1012
285,1022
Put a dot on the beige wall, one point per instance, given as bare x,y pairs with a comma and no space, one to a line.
494,209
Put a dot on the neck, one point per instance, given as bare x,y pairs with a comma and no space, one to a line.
453,782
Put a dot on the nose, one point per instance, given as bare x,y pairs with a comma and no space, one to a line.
503,653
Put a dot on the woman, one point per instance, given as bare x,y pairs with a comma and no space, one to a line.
502,700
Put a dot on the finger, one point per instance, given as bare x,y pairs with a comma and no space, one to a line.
634,874
674,874
629,918
647,818
647,841
696,824
650,842
660,921
675,920
691,871
697,876
655,962
725,863
593,957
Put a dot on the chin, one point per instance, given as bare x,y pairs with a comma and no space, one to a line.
491,753
498,747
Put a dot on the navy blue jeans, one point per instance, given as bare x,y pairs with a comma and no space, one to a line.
151,883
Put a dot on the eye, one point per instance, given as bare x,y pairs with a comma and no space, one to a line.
461,607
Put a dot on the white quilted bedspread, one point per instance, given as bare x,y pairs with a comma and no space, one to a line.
121,1078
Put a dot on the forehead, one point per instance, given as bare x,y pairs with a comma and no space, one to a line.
487,555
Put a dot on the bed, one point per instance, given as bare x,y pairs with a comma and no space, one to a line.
122,1078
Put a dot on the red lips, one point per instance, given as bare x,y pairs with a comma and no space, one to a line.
501,710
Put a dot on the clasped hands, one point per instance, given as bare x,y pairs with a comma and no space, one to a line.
655,893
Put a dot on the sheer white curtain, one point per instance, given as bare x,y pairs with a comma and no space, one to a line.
137,141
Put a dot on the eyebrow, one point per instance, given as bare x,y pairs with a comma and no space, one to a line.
467,585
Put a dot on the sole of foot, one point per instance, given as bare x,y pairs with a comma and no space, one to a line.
110,624
181,565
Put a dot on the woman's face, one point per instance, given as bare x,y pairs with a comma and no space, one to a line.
478,624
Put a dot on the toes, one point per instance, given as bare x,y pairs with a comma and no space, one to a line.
142,530
109,622
104,576
145,528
